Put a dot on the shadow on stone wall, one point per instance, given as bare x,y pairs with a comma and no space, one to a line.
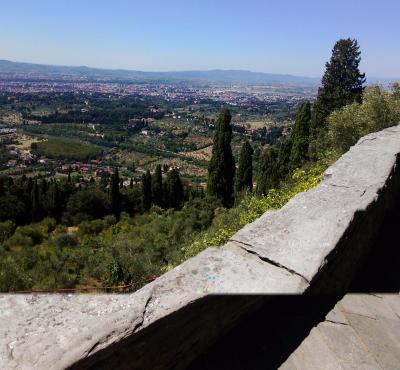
267,338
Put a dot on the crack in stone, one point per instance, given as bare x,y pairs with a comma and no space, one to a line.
339,186
10,350
367,139
265,259
135,328
337,322
359,314
144,311
375,295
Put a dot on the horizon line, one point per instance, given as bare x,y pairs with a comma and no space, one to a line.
180,70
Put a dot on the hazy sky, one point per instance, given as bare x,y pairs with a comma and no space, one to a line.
278,36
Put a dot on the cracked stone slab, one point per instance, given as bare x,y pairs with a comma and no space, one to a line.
68,328
358,333
301,234
51,331
312,354
336,316
344,342
381,337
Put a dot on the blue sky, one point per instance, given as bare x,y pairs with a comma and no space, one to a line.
279,36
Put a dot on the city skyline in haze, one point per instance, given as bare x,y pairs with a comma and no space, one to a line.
289,37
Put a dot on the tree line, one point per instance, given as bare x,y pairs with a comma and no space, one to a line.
24,200
342,84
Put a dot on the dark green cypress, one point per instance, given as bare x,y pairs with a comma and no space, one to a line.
244,175
43,188
174,189
268,176
53,200
146,191
2,186
157,187
342,82
115,194
283,164
300,135
221,170
35,206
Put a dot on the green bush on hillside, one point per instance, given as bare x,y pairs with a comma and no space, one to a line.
379,109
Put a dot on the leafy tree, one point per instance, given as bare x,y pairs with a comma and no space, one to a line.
395,89
174,189
157,187
115,194
221,170
11,208
244,175
146,191
268,175
300,135
88,204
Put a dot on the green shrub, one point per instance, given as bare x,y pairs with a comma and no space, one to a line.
13,276
92,227
6,230
26,236
65,240
379,109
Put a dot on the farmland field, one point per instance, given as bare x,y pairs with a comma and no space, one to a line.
67,149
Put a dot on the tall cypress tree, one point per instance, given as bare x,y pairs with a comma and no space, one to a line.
174,189
53,200
244,175
35,206
268,174
300,135
115,194
146,191
221,170
342,82
2,186
283,159
157,187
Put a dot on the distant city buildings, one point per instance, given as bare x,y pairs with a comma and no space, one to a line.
231,95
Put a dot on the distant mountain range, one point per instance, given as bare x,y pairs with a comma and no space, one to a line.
9,69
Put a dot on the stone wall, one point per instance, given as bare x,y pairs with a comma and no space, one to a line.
314,244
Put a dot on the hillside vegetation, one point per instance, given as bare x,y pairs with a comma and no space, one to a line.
55,234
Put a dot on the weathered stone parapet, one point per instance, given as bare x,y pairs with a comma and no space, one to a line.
313,244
